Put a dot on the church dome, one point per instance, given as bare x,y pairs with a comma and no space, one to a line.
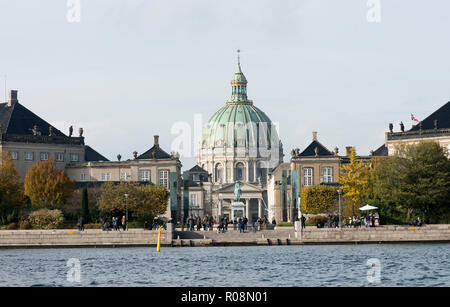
239,123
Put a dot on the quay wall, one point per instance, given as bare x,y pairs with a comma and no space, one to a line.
280,236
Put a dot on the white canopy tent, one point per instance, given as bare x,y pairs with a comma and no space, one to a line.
368,208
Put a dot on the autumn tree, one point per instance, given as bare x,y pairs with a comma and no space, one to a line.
47,186
143,201
11,194
318,199
354,178
415,181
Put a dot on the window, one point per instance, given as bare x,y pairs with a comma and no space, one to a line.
239,171
164,179
74,157
106,176
59,157
193,199
14,155
145,175
308,176
327,174
196,177
44,156
83,177
29,156
219,173
124,176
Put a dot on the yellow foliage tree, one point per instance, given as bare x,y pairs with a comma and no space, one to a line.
355,181
47,186
11,194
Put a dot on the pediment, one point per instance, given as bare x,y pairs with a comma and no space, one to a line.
245,188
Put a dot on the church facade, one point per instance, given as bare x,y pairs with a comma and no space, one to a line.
239,144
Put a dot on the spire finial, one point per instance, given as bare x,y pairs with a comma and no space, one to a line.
239,56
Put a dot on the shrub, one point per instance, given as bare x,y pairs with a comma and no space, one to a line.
285,224
46,219
23,225
313,221
12,226
93,226
318,199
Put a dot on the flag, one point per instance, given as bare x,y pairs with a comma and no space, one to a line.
413,118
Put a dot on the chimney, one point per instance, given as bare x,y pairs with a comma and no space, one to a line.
156,137
314,135
12,97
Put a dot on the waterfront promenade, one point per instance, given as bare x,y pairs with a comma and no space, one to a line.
281,236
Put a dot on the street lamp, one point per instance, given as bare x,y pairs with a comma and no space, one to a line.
126,219
339,193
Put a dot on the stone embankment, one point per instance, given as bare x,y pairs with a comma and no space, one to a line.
280,236
73,238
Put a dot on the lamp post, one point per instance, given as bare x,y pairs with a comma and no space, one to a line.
126,218
339,193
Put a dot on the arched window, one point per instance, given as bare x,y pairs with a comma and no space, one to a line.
239,171
219,172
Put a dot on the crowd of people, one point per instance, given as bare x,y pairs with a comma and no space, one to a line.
196,223
370,220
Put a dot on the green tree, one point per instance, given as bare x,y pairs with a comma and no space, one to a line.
46,186
11,194
143,201
85,206
318,199
415,181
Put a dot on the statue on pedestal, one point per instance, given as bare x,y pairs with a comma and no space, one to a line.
237,191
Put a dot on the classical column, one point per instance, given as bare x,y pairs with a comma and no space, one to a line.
247,208
247,169
232,172
220,208
260,208
254,171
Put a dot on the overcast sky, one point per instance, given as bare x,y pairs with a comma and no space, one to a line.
132,68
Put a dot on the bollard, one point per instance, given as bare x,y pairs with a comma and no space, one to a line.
158,247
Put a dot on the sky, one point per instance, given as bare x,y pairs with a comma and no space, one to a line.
130,69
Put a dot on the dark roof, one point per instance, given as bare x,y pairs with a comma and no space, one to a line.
382,151
310,150
442,115
19,120
159,154
197,169
90,155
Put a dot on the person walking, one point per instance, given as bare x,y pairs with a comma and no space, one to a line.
80,224
124,223
245,223
183,220
191,223
303,222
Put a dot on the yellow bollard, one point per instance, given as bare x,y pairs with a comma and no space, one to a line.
158,247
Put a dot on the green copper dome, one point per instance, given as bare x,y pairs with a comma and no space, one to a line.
239,123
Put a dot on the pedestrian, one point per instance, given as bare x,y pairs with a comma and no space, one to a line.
245,221
183,220
80,224
211,223
240,225
124,223
303,222
191,223
225,221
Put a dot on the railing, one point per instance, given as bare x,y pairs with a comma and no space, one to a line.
418,134
43,139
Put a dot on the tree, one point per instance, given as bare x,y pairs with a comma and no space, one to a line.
85,206
145,200
354,180
416,180
47,186
11,194
318,199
